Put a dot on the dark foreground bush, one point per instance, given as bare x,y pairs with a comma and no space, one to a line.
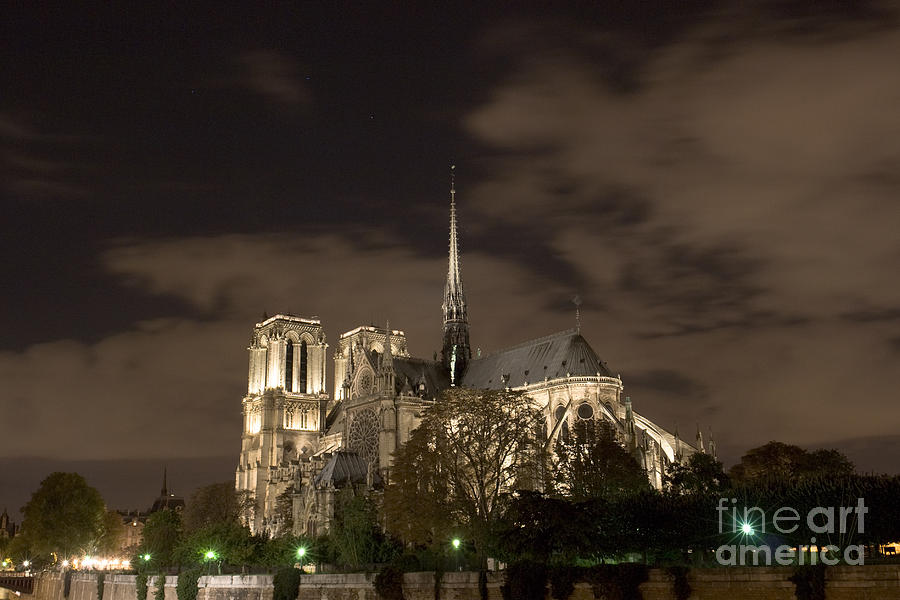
286,584
389,583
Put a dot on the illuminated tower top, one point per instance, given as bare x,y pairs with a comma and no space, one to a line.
456,352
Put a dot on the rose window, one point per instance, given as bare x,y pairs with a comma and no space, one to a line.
364,435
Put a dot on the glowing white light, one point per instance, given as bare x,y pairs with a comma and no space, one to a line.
747,529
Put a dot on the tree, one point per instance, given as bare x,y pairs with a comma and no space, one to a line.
591,463
779,461
214,504
284,512
162,535
700,474
229,541
354,537
455,474
65,516
113,533
827,463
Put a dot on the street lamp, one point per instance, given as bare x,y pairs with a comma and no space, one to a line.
455,543
301,553
747,529
209,555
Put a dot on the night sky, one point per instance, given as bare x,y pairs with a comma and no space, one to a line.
719,182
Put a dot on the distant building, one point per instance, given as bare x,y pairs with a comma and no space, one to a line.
8,529
167,500
299,444
134,532
134,520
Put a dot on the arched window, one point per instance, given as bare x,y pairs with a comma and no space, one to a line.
289,366
301,380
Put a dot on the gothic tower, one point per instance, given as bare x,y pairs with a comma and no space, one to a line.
284,409
456,352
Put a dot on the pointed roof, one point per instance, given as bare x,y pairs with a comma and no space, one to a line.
454,296
553,356
419,370
345,468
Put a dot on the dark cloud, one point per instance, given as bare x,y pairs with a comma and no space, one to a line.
273,76
39,165
754,226
872,315
670,382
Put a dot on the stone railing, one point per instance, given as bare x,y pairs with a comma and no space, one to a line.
736,583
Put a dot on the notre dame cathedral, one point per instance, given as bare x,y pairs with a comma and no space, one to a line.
300,444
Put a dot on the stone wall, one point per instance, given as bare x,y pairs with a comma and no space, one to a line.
736,583
416,586
234,587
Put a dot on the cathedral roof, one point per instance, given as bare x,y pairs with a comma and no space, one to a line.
345,468
552,356
416,369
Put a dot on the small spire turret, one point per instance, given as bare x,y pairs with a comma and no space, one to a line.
387,363
630,437
678,452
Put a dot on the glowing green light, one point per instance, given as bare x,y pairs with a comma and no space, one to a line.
210,555
301,552
747,529
146,557
455,542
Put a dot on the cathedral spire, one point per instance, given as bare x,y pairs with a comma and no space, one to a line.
165,489
456,351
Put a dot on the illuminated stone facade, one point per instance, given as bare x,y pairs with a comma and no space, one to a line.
283,411
300,444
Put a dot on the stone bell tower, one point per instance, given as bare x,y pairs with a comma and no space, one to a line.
283,411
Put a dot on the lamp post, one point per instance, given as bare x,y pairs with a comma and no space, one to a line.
456,542
301,554
210,556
